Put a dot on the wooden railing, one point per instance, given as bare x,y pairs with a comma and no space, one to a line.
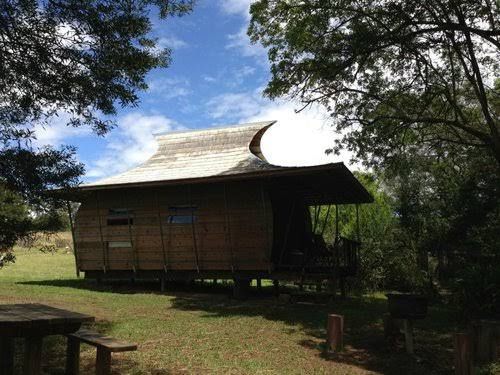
342,257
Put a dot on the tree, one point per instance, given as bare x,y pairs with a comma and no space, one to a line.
83,58
392,73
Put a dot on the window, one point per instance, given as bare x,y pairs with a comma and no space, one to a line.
120,216
115,244
181,219
182,215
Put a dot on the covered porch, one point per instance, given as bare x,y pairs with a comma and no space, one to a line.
306,220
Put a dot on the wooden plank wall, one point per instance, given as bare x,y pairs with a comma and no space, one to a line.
233,229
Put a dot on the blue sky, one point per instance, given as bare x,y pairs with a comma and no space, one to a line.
216,78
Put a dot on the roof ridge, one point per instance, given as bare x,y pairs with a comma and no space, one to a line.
216,128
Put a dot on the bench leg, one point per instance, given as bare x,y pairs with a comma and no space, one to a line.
33,355
408,325
6,356
103,362
73,356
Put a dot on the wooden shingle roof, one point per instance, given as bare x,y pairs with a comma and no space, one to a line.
198,154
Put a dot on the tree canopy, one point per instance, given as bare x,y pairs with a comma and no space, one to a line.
392,73
83,58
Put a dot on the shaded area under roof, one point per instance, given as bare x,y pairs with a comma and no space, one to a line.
234,153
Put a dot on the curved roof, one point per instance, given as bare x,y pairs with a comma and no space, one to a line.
224,153
199,154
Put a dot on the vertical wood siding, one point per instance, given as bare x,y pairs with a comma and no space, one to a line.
231,230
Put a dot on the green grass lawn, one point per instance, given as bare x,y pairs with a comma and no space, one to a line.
199,329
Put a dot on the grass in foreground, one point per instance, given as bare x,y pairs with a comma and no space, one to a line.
199,329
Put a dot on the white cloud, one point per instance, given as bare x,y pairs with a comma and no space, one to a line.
240,41
58,132
245,71
168,88
236,7
130,144
233,106
209,79
171,42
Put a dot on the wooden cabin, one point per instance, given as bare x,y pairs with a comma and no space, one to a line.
207,204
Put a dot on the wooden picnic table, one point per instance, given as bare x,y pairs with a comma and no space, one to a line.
33,322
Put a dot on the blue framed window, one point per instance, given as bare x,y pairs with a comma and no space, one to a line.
182,215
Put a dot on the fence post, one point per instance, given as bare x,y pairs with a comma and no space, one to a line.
463,353
485,339
335,333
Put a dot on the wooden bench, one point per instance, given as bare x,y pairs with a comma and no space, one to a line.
105,346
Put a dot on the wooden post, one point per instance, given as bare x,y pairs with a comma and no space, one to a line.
131,239
317,211
391,329
266,224
72,227
409,342
160,223
327,218
463,353
485,338
73,356
103,361
358,231
343,292
228,238
32,355
100,232
319,286
6,356
276,286
336,222
332,286
287,231
162,283
335,333
240,288
259,284
193,230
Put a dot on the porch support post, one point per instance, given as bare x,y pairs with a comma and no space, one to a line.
287,232
336,222
72,227
358,232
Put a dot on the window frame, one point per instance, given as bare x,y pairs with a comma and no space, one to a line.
119,217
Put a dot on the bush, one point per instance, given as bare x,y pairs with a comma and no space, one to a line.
477,291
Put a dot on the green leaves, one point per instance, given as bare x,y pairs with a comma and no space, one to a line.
80,57
391,67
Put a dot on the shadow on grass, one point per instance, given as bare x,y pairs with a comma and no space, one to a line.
133,287
365,345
